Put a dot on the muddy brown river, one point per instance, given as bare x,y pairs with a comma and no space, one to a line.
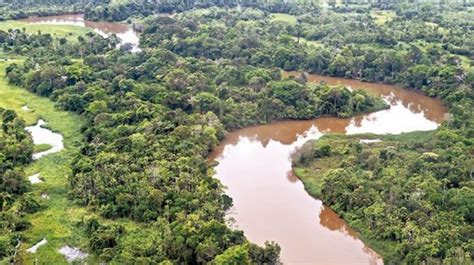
270,203
123,31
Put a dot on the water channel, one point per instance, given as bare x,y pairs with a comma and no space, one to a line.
270,203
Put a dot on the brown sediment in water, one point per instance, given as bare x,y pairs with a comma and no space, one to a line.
270,203
433,109
123,31
78,20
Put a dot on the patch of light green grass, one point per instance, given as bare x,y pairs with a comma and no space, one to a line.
382,16
41,148
281,17
466,62
15,98
120,2
69,31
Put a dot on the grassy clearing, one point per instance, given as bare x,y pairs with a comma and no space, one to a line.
120,2
281,17
466,62
15,98
69,31
382,16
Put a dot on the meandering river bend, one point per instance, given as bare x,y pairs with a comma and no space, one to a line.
271,204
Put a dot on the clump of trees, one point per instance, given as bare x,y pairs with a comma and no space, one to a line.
16,149
13,9
42,45
122,10
119,10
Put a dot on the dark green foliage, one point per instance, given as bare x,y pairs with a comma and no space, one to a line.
152,117
15,9
427,66
122,10
16,149
413,192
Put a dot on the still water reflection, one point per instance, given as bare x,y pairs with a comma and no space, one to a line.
271,204
124,32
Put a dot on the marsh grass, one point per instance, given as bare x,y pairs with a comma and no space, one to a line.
71,32
41,148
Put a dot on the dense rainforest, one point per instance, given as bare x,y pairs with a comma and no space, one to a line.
410,195
16,9
152,119
16,149
153,116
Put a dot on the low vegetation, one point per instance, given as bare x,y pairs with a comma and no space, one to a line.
69,32
41,148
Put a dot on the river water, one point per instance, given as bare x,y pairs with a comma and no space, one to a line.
270,203
123,31
42,135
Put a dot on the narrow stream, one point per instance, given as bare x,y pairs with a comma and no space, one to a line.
271,204
42,135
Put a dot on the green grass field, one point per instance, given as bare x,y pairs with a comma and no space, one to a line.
466,62
68,31
41,148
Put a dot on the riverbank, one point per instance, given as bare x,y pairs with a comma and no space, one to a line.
320,234
318,157
365,180
71,32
